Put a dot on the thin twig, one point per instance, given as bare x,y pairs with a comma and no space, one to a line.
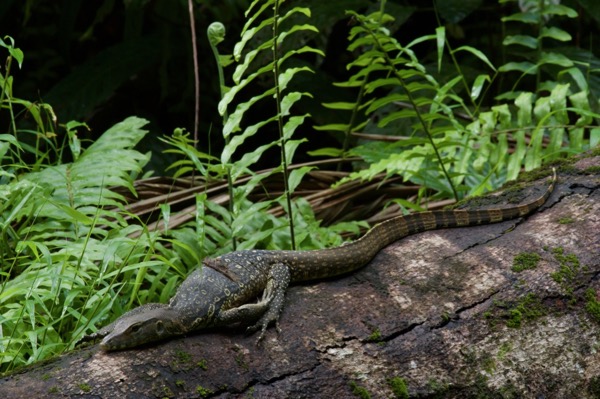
196,75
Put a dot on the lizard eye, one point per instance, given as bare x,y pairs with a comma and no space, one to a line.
135,328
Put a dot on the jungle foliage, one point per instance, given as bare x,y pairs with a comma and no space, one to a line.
441,108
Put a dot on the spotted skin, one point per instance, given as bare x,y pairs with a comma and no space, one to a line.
225,289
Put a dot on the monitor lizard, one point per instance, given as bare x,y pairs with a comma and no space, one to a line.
224,291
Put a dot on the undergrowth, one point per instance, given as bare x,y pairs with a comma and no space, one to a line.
73,258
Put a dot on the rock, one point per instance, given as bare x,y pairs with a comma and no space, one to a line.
504,310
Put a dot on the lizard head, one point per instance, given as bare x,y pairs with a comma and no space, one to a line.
142,325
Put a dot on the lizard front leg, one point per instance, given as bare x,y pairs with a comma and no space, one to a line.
273,295
244,314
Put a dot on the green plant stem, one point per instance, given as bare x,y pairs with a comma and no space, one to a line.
540,26
359,98
417,111
348,131
8,98
196,75
213,40
288,195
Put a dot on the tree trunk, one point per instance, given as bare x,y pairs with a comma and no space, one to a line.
504,310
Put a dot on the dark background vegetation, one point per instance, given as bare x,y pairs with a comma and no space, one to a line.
99,61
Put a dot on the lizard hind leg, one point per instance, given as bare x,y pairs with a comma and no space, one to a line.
273,296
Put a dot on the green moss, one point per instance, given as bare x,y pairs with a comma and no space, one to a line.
182,361
203,392
202,364
566,220
568,271
594,387
180,383
525,261
167,392
515,318
504,350
399,388
53,389
375,336
528,308
239,359
45,377
515,314
183,356
487,363
592,170
439,389
359,391
592,305
84,387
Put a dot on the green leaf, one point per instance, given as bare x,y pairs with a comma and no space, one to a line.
405,113
296,176
391,98
288,100
9,138
377,83
576,138
594,137
581,102
558,102
525,17
16,53
559,9
252,16
339,127
524,103
286,76
249,158
292,124
291,146
525,67
234,120
347,106
296,10
478,85
522,40
239,139
230,95
553,148
555,59
555,33
515,159
533,156
577,76
440,34
476,53
240,69
350,83
215,33
296,28
327,152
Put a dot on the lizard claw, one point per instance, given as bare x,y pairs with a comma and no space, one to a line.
262,325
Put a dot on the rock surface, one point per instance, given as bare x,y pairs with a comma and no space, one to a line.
442,314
